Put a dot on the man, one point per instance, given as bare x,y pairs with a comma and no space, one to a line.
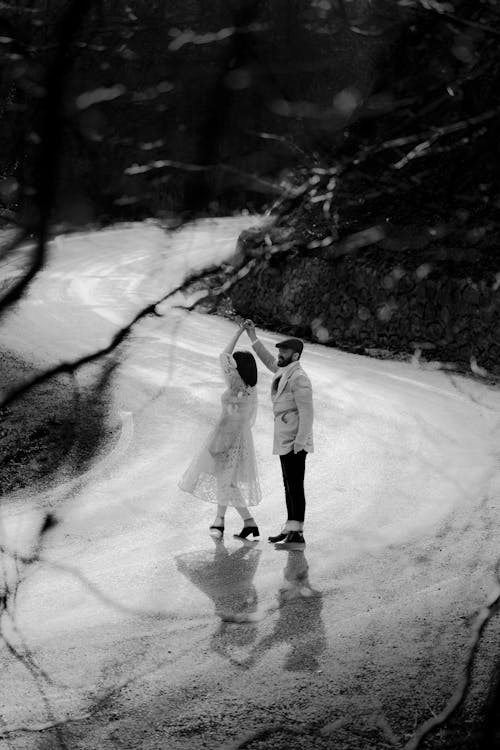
291,395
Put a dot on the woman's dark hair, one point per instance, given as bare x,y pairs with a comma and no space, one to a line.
247,369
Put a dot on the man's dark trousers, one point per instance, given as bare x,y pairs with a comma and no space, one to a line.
293,466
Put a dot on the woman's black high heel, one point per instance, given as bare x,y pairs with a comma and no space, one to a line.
216,532
246,531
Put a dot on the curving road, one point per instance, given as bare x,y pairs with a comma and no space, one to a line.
132,629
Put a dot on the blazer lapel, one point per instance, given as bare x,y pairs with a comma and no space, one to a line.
277,380
284,380
281,384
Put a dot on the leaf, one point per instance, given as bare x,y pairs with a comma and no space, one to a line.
83,101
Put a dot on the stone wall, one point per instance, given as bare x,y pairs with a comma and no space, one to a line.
375,299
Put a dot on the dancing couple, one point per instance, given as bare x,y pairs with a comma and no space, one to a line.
225,471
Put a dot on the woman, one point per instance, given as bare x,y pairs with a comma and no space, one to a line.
225,471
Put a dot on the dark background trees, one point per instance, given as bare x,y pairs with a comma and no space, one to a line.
171,106
337,113
185,106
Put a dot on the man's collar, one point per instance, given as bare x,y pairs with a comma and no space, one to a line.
288,368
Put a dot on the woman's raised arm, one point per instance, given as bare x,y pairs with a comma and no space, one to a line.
232,343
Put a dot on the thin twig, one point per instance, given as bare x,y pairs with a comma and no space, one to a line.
461,21
263,733
438,133
120,336
6,731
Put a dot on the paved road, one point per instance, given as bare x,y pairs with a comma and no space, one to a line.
136,630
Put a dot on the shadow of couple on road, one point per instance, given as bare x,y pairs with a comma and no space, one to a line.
226,577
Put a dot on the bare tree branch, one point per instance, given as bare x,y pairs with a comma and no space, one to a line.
119,337
484,615
42,727
454,18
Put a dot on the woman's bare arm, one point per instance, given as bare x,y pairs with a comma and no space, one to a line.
232,343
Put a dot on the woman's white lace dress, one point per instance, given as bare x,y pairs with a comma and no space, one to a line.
225,470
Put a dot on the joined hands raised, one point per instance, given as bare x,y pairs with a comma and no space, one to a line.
249,327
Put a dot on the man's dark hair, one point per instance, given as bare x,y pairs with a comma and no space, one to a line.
246,366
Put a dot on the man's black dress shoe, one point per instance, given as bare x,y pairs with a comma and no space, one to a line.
293,540
278,537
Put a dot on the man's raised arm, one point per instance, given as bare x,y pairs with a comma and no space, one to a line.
263,354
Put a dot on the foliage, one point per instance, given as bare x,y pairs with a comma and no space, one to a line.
423,150
167,106
389,114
